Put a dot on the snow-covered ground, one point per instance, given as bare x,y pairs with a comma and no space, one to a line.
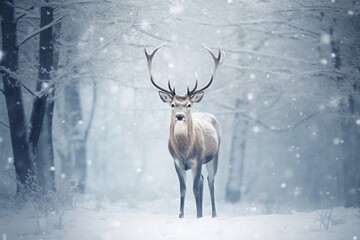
158,220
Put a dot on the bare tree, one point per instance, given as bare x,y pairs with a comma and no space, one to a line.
12,91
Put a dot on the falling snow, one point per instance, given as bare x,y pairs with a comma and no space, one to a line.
325,39
176,9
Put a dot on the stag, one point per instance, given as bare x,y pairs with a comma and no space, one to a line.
194,137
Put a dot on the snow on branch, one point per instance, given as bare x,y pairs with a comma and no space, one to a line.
12,74
90,58
40,30
258,53
266,126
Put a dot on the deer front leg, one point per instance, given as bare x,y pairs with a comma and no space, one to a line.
182,180
198,188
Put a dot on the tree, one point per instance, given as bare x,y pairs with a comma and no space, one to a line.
44,151
236,166
12,91
25,137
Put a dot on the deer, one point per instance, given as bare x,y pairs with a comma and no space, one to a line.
194,138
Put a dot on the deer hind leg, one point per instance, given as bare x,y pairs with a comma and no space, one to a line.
198,188
211,169
182,180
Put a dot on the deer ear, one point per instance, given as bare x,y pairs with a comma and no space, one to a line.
165,97
195,98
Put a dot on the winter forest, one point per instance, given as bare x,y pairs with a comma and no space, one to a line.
84,134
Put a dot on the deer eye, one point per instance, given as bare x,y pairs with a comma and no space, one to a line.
172,105
189,105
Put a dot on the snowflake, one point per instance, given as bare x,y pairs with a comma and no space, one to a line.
250,96
325,39
176,9
358,122
145,24
336,141
1,55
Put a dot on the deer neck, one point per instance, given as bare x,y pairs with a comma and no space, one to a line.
182,137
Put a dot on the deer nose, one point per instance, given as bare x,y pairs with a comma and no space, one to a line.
179,117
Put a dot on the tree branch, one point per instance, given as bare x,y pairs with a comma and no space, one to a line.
40,30
88,59
272,128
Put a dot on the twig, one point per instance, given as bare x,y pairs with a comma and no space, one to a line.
21,16
2,91
40,30
28,89
24,14
4,124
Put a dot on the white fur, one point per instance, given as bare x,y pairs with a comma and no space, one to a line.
180,128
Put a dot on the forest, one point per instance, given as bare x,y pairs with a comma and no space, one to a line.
84,133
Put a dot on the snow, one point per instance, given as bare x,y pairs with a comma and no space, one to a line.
158,220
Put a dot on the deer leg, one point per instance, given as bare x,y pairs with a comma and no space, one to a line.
211,168
201,190
198,188
182,180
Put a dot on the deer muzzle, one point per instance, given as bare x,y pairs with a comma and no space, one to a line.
179,117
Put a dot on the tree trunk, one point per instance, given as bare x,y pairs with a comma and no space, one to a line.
44,151
236,168
351,135
12,90
75,165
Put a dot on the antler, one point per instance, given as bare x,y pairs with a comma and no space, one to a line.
218,61
149,58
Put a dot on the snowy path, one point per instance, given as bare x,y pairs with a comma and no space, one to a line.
126,223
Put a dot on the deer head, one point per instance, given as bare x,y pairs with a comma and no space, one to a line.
181,105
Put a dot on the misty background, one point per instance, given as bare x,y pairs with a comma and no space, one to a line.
287,98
